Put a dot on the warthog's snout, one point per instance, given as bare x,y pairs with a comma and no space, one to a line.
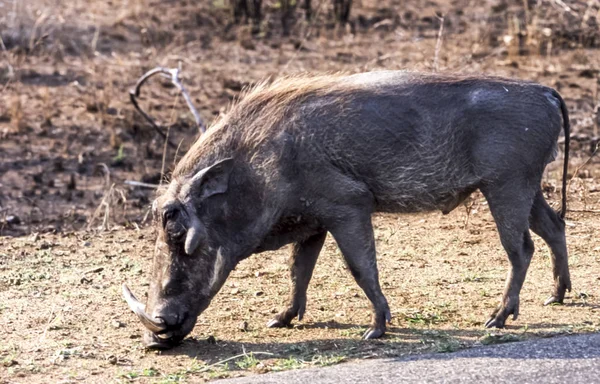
165,327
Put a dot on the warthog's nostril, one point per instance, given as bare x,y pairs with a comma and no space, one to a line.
165,320
171,321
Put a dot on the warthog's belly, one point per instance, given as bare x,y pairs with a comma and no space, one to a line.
445,202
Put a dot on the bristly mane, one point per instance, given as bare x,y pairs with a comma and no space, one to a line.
259,110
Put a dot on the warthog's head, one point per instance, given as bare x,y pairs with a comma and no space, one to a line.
195,224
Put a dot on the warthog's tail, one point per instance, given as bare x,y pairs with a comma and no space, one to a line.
567,128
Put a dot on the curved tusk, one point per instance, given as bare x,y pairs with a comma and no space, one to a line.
138,308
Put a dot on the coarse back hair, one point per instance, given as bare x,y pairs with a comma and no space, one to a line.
250,121
256,116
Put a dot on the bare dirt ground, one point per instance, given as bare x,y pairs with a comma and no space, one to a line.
71,231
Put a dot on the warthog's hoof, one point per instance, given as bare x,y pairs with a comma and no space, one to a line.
494,322
553,300
373,333
276,323
499,316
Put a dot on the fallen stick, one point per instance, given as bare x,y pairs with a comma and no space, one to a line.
140,184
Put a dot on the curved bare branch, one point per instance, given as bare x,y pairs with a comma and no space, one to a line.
173,75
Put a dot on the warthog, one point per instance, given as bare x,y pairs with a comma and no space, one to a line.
304,156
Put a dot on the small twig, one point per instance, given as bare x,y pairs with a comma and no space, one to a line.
208,367
596,107
438,44
106,173
469,208
584,210
177,152
564,6
140,184
7,82
582,165
48,323
164,155
105,203
94,43
526,10
311,25
94,270
173,75
38,21
579,137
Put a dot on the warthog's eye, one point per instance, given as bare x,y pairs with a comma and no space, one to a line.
172,224
175,230
169,215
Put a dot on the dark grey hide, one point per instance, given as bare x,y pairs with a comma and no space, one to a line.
307,156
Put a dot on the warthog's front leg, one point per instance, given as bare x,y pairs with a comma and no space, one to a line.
302,263
354,236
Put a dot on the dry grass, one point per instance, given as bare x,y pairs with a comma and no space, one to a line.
16,114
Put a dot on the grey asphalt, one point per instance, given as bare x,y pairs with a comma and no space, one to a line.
566,359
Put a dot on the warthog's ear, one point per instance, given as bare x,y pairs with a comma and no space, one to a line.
212,180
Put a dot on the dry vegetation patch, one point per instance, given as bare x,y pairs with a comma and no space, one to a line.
64,318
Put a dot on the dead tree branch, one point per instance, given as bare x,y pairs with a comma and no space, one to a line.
583,165
134,183
173,75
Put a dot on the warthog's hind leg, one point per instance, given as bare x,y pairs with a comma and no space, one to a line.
547,224
510,205
302,262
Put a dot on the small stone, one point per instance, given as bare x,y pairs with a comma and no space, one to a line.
10,362
243,326
258,293
112,359
248,44
72,184
87,244
13,220
117,324
234,291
